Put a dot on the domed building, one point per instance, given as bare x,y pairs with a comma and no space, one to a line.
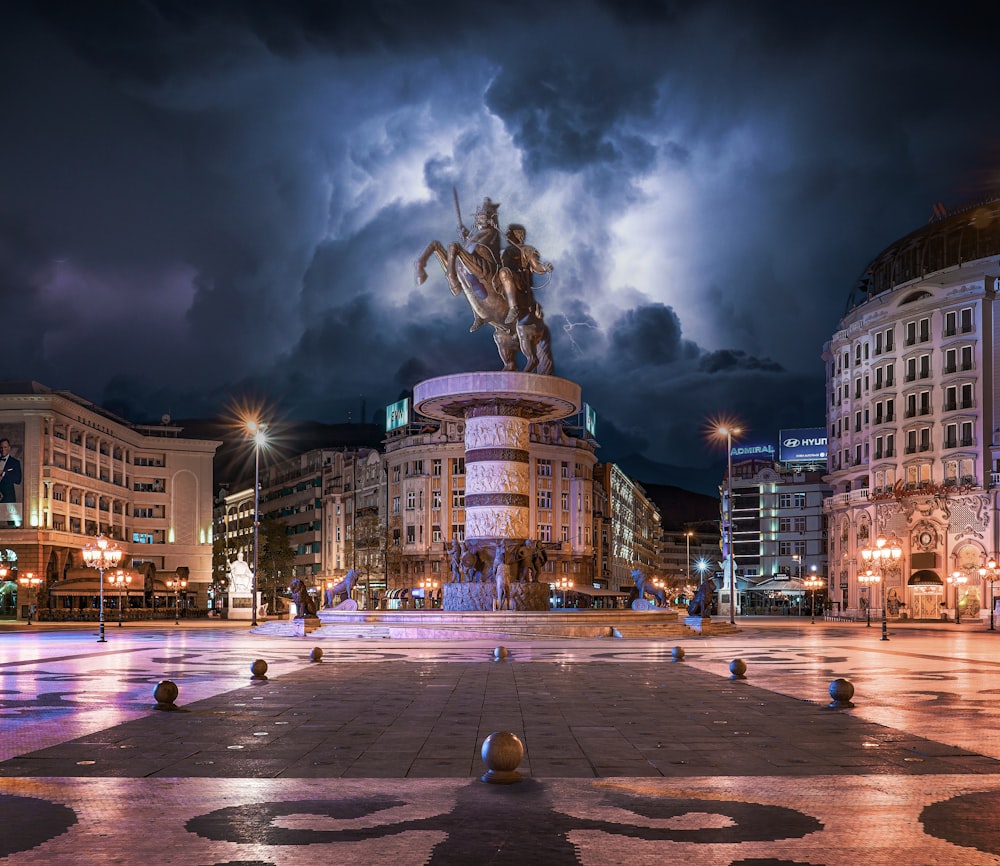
913,413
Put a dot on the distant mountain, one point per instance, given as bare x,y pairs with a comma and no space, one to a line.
234,461
682,509
701,479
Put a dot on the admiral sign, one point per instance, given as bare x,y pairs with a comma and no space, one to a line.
762,451
807,444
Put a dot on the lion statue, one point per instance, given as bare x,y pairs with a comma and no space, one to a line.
304,605
701,603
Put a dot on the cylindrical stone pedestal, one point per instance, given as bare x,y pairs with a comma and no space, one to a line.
497,409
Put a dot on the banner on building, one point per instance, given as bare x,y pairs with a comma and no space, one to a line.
12,473
397,415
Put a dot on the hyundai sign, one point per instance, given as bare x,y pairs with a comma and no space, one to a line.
803,446
397,415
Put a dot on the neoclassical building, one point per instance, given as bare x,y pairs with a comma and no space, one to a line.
85,471
913,411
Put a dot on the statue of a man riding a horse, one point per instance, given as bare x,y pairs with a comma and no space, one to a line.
498,286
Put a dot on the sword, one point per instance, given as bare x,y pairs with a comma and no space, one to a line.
458,211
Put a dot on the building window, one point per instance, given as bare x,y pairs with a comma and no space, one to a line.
951,436
784,524
411,500
411,535
544,498
966,357
545,532
564,500
395,505
966,434
967,320
565,532
435,533
889,445
458,531
924,366
911,334
435,499
950,324
967,396
544,468
458,497
458,466
950,398
436,467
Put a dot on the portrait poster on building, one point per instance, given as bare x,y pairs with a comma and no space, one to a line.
11,475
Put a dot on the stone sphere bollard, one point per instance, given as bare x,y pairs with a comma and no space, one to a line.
258,670
841,691
316,655
502,752
500,653
678,653
165,694
737,669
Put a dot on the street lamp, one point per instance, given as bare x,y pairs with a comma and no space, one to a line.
258,433
428,585
728,432
564,583
884,555
30,584
121,580
102,554
865,580
177,586
991,570
812,583
958,579
687,564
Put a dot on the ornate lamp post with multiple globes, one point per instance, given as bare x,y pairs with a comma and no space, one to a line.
866,580
30,584
429,586
884,555
564,583
177,586
959,580
121,581
813,583
102,554
990,570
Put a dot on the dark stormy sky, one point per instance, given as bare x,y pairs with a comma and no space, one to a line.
209,199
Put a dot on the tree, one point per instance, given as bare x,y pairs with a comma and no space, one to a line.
276,559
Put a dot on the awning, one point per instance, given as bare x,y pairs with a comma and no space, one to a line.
396,593
786,586
924,577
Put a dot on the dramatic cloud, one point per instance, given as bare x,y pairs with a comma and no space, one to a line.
202,200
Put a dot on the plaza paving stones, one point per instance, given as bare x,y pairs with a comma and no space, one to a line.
372,755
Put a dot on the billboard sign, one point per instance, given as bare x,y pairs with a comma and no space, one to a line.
590,419
804,445
397,415
12,474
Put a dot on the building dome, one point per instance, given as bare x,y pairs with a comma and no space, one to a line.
965,234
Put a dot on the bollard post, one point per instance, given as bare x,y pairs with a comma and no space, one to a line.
502,753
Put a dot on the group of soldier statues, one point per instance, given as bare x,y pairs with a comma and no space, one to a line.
475,561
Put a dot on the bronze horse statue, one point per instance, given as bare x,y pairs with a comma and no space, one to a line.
497,285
